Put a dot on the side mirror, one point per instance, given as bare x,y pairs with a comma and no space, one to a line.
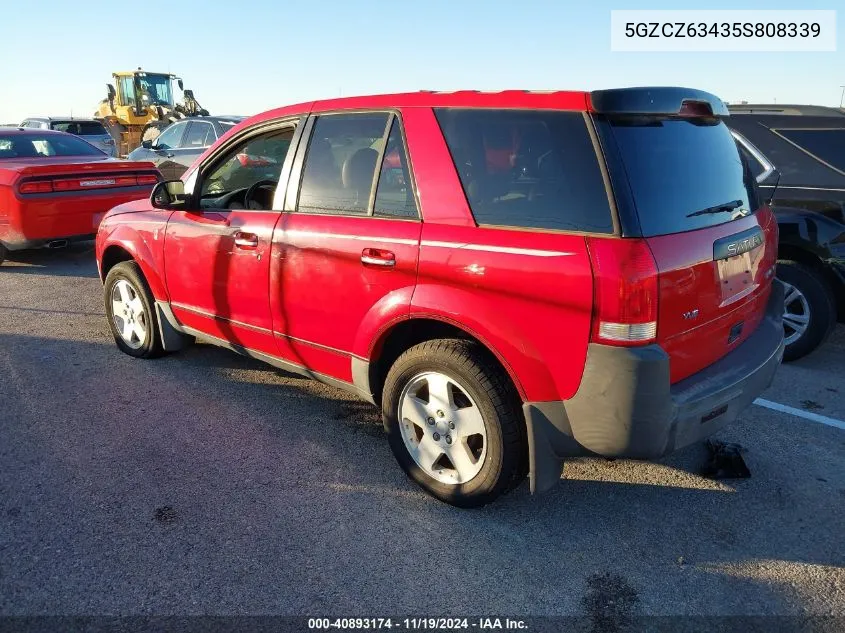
169,194
181,85
148,144
111,91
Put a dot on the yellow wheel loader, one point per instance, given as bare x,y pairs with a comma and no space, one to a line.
143,105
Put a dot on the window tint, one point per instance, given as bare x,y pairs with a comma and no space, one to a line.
37,145
341,162
528,168
394,194
80,128
199,135
678,167
259,158
170,137
753,164
829,145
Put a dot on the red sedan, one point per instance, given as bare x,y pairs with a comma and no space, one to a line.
55,187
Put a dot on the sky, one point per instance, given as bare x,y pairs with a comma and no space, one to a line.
248,56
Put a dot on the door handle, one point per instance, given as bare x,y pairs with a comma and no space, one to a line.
246,240
378,257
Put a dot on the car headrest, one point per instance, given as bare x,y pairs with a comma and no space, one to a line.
358,170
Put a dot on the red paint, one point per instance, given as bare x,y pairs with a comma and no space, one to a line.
43,199
320,290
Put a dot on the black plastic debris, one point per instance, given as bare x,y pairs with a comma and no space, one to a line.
725,461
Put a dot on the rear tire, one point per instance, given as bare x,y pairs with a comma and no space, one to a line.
454,422
129,308
809,309
4,252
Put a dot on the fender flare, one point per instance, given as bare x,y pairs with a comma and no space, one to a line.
128,239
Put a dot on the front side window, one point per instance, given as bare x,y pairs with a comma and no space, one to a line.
127,90
528,168
171,137
258,159
341,162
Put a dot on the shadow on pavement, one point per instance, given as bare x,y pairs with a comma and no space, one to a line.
281,496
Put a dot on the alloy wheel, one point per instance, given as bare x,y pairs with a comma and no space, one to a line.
796,314
442,428
128,314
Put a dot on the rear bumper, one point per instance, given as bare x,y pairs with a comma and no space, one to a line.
30,244
626,407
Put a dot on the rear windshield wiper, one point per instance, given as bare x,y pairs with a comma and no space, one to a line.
719,208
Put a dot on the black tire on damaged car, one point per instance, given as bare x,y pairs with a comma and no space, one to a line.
471,367
816,299
129,272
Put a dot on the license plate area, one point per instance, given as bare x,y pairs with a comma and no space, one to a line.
737,259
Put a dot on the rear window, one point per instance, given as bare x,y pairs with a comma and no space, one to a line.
43,145
80,128
684,174
826,144
528,168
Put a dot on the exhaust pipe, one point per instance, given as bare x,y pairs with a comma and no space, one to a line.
57,244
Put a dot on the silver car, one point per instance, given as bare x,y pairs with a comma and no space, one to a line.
90,130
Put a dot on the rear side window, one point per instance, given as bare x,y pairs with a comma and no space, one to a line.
200,134
684,174
394,194
826,144
80,128
528,168
343,155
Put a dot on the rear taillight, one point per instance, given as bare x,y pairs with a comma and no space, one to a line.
625,296
86,183
36,186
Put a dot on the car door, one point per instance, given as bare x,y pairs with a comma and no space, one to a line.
346,249
198,138
164,150
217,253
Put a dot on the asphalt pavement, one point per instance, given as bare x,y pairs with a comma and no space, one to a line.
207,483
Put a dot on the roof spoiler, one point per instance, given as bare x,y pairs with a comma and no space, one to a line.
662,100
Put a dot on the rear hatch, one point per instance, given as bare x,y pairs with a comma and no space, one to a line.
683,188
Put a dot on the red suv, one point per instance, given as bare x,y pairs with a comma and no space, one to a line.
515,277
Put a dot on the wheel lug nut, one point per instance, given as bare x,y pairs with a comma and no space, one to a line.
436,436
448,439
430,420
440,414
452,425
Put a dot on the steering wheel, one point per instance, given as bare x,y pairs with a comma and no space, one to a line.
254,187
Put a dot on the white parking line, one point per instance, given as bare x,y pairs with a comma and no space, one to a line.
813,417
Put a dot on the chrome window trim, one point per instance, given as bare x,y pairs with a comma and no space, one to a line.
768,168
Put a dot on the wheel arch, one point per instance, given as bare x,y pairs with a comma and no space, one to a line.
401,335
128,246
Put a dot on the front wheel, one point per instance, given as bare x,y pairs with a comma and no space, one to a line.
809,311
129,307
454,422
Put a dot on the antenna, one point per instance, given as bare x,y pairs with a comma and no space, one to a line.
775,188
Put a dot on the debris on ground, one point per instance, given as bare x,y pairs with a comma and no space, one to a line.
725,461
